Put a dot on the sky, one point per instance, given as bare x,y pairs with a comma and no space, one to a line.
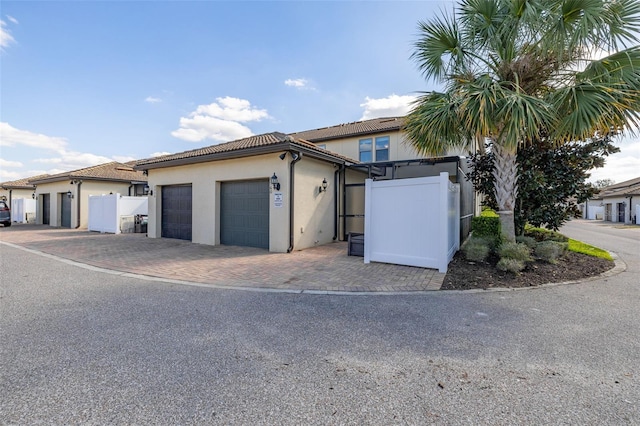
84,83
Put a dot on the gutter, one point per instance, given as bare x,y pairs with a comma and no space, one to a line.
291,192
336,194
78,203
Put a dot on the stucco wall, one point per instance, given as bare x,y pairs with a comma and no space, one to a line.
57,190
349,147
12,194
205,179
628,212
314,211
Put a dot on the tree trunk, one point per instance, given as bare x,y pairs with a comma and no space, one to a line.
506,188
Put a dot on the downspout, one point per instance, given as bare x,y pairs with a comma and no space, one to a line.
78,203
10,191
291,190
129,191
336,194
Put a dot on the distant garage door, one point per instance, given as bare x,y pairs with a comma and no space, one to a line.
244,213
176,212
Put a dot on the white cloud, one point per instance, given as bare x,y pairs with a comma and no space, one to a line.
10,136
57,154
620,167
159,154
219,121
6,163
390,106
296,82
152,100
12,19
5,36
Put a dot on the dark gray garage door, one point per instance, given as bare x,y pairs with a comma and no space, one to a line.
65,211
46,213
244,213
176,212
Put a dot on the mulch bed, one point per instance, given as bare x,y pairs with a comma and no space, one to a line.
465,275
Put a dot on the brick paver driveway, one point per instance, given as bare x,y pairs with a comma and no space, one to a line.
321,269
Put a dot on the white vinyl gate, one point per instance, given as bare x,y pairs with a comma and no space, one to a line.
105,211
22,209
414,222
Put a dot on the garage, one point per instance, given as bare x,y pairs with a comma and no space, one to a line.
65,211
244,213
177,212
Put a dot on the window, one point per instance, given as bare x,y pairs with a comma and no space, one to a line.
365,150
369,154
323,146
382,148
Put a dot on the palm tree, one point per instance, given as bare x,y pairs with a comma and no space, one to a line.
515,68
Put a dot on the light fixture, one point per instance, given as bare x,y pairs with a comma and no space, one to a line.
283,155
323,187
295,156
69,194
33,195
274,182
145,189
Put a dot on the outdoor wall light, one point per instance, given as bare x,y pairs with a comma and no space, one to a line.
323,187
283,155
145,189
274,182
69,194
33,195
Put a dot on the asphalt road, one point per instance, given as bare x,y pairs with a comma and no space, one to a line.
85,347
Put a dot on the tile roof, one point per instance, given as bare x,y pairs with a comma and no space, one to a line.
21,183
357,128
113,171
628,187
252,145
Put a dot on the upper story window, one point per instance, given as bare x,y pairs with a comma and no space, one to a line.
382,148
365,150
370,152
323,146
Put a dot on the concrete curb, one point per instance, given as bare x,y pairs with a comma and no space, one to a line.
620,266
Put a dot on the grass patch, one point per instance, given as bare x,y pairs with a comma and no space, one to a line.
584,248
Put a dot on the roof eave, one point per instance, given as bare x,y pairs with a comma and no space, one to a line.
241,153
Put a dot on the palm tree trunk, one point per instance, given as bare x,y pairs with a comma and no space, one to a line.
505,173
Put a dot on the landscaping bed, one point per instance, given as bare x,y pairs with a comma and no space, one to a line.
464,275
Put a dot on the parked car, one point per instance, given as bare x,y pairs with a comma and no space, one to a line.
5,213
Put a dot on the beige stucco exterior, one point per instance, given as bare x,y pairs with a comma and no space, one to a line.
314,212
12,194
59,189
349,147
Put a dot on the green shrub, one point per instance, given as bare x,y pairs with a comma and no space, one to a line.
549,251
510,265
487,212
476,249
527,241
486,226
515,251
541,234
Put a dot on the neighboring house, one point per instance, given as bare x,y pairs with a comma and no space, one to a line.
385,153
20,188
20,197
379,139
620,201
63,198
271,191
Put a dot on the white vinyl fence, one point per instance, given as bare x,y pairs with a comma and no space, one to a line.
637,214
105,211
414,222
22,209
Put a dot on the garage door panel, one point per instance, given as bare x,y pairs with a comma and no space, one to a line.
177,212
244,213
